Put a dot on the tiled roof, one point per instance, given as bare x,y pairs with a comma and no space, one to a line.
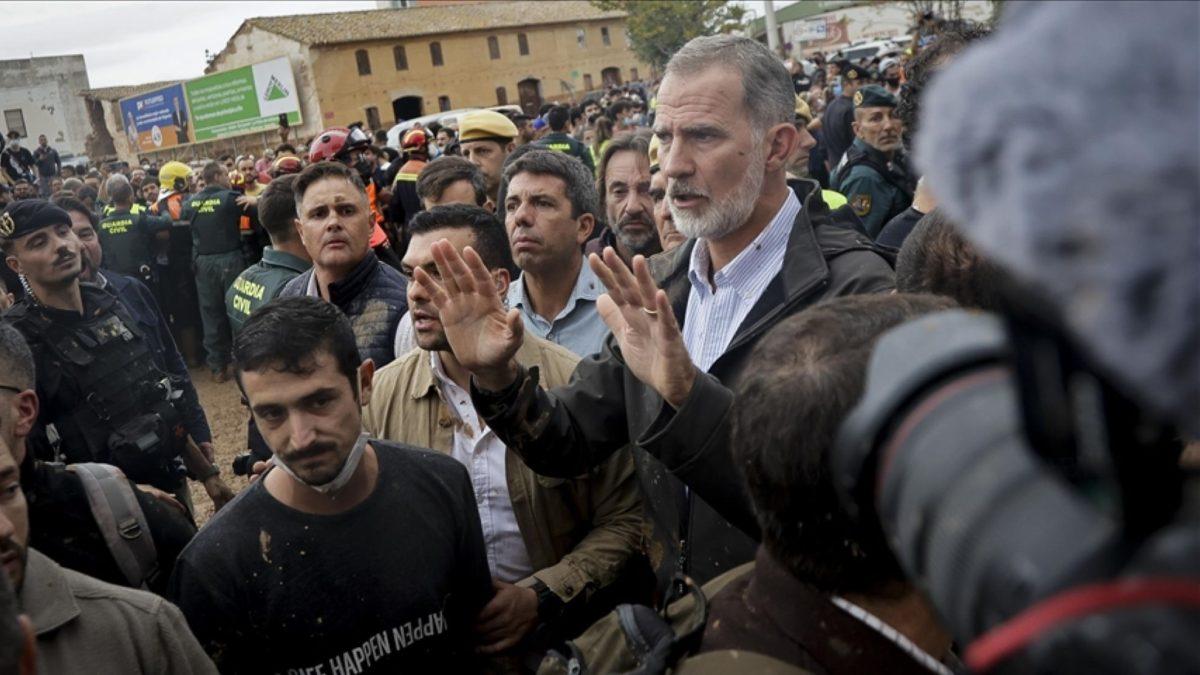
385,24
114,93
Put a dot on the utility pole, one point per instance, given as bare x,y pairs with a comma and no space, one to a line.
772,28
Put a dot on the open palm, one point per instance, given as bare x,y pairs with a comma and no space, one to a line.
640,318
482,334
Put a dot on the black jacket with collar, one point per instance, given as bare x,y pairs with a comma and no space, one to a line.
374,297
567,430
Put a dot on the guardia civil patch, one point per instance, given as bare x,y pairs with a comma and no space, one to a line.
861,204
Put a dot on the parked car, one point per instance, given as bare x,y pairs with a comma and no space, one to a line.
870,50
444,118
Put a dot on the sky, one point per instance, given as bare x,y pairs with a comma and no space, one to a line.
138,42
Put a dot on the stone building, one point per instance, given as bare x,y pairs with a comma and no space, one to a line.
41,96
386,65
377,67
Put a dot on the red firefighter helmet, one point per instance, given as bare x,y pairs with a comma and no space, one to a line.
336,144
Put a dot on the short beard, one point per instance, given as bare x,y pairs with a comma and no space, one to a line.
432,343
643,244
722,219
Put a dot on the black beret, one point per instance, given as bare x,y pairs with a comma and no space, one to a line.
30,215
856,73
873,96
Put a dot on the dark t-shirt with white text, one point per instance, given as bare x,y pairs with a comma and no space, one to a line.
390,586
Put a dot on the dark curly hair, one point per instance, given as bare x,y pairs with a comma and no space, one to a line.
937,259
921,68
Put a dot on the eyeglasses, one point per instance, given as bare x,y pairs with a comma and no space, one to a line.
11,388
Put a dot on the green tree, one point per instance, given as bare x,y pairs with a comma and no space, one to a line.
658,28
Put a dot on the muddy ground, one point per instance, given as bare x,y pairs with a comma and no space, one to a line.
227,417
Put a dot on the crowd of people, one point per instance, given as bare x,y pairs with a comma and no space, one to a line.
553,392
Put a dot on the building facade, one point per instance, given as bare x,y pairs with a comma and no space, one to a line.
41,96
827,25
382,66
378,67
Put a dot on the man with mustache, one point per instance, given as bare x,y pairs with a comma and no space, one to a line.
624,187
549,211
870,175
684,323
144,309
103,391
333,217
84,625
351,555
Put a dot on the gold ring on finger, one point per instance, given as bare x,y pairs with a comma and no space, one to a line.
650,312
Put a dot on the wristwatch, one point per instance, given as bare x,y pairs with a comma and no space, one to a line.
550,606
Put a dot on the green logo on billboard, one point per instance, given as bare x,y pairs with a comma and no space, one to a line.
275,90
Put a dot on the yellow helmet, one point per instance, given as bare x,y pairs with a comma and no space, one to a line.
173,175
803,112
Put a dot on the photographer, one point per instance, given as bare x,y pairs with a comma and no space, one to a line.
1025,467
821,578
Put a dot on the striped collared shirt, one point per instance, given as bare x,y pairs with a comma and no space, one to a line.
716,311
892,634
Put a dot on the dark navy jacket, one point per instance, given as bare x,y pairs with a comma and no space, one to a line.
374,296
138,299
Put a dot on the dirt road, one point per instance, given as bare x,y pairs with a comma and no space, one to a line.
227,417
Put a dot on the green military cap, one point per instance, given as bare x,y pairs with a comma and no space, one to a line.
483,125
873,96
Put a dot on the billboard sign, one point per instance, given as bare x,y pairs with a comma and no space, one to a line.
157,119
243,100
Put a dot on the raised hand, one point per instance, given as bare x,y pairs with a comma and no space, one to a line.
640,318
483,335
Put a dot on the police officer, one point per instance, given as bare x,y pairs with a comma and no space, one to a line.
837,124
870,175
560,141
283,260
103,396
127,232
64,522
215,217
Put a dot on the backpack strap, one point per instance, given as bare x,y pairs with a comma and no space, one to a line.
121,521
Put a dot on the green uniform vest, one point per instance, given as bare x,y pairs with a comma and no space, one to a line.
125,237
214,217
259,283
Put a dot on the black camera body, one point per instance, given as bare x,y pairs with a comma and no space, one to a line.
1041,510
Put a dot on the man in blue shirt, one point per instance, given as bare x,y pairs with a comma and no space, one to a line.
549,212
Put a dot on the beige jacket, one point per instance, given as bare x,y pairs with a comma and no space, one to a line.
579,532
85,625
